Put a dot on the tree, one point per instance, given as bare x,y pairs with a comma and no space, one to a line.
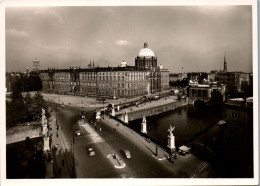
8,114
19,111
28,102
216,97
245,89
37,106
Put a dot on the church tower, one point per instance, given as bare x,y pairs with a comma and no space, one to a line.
225,63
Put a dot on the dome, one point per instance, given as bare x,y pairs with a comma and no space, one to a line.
146,52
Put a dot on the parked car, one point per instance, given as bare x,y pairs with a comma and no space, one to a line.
126,153
90,121
78,132
82,113
91,152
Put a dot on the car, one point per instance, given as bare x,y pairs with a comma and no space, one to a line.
91,152
126,153
90,121
82,113
78,132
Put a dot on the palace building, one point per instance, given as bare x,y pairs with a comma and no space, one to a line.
111,82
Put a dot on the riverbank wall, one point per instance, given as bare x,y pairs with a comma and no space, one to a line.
157,109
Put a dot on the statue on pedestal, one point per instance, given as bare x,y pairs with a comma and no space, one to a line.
171,139
113,110
126,117
171,129
44,119
143,126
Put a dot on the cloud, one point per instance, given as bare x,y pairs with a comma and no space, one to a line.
100,42
122,43
17,33
48,13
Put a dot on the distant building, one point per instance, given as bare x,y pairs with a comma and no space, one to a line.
176,77
197,76
204,92
240,111
36,65
122,81
234,79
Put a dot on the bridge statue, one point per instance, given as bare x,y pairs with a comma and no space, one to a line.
44,119
171,129
171,139
126,117
45,132
113,110
143,126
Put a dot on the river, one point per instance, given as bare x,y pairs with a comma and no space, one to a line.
188,121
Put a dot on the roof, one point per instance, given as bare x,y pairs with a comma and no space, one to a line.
222,122
250,100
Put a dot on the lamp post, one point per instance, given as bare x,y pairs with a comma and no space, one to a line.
103,101
156,148
73,162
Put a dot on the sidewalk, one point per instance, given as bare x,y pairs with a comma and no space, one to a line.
144,143
60,161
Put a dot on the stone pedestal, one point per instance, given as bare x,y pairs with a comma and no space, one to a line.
126,117
113,110
143,126
46,146
118,108
171,143
44,130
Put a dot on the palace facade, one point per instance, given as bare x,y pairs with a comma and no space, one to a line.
111,82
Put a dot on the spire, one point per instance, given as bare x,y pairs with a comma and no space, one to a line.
93,64
225,63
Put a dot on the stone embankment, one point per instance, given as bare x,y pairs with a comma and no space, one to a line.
150,109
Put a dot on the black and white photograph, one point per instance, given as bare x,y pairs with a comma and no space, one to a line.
119,93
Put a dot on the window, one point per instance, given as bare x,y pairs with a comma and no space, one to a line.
235,115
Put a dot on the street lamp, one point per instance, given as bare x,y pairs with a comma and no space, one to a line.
73,162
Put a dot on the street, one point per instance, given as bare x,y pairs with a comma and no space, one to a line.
141,165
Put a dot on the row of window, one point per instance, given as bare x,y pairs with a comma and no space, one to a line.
122,92
88,90
235,115
122,85
61,76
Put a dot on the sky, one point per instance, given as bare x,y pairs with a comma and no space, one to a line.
183,38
